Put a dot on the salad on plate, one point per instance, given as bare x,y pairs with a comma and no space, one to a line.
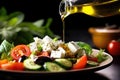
49,54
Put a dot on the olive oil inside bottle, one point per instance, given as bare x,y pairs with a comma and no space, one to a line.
98,9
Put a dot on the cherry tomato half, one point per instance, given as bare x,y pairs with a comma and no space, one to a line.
19,51
114,47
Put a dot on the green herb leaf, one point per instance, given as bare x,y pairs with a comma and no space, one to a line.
3,13
5,47
101,57
39,23
15,18
86,47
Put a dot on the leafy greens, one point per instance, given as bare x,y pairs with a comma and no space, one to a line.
13,28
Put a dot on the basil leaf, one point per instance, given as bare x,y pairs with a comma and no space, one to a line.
15,18
24,37
39,23
3,13
86,47
5,47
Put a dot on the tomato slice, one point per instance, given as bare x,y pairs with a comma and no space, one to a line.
43,53
19,51
4,61
81,62
13,66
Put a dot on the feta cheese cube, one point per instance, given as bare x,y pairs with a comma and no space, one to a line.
61,50
33,46
57,54
60,53
37,40
74,48
47,47
47,39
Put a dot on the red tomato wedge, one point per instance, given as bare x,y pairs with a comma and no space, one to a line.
13,66
19,51
4,61
81,63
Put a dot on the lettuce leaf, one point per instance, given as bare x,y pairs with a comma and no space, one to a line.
5,48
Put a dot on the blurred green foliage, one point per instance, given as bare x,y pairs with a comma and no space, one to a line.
14,29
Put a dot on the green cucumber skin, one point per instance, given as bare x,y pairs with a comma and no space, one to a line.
30,65
62,63
92,63
53,67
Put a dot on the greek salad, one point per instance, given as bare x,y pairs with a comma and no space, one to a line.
47,54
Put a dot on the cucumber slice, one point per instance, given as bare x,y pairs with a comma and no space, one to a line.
30,65
73,60
65,63
92,63
53,67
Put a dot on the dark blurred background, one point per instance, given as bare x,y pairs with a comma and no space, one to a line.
76,26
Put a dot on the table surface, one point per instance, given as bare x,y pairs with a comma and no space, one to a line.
111,72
